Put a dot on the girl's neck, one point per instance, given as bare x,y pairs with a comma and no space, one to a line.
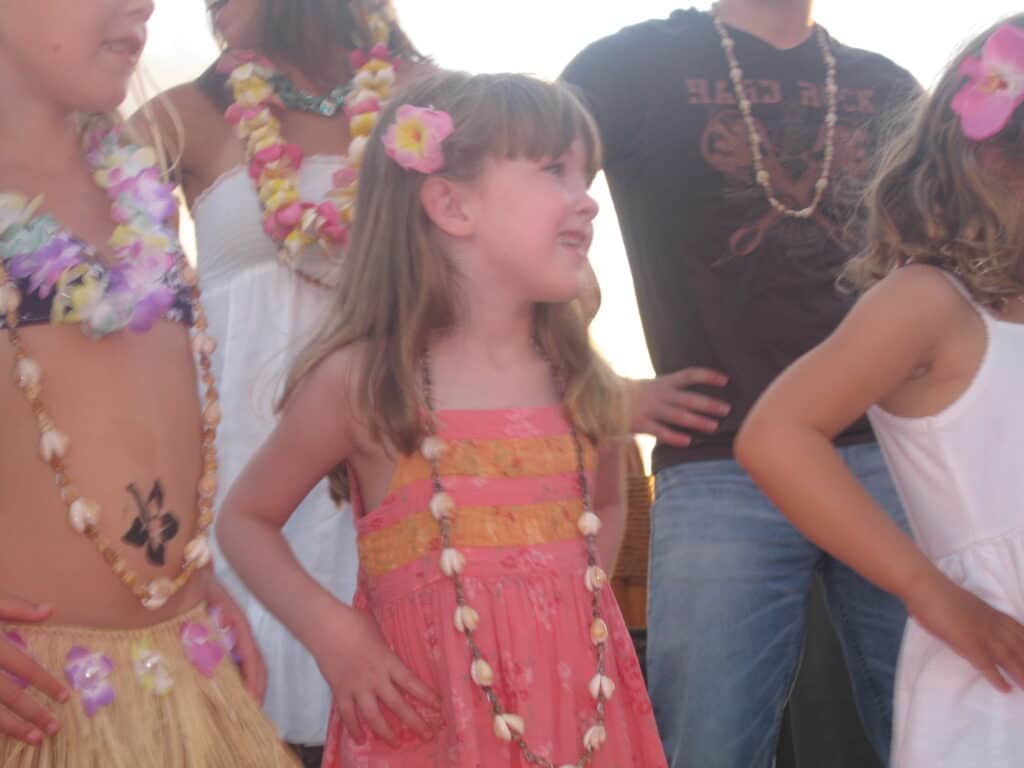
37,134
478,369
330,75
781,23
492,337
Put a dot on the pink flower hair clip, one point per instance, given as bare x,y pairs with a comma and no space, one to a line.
996,84
414,139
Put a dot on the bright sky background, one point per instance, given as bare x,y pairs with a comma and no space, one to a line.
541,36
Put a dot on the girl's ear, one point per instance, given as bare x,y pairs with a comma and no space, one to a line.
448,206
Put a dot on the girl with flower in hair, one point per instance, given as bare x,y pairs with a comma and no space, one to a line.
118,651
455,397
934,353
268,154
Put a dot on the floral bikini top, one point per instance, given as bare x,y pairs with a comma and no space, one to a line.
61,278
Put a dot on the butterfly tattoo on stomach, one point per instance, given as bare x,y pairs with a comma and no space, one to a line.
152,528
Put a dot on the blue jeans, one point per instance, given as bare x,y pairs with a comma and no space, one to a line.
729,585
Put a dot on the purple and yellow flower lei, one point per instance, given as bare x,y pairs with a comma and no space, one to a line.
141,286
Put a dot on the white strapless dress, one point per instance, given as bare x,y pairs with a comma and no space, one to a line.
262,316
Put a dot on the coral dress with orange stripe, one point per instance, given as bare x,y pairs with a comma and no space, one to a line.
513,477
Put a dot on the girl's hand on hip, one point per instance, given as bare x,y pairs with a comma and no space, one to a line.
21,716
368,679
990,640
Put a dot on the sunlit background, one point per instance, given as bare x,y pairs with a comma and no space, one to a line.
541,36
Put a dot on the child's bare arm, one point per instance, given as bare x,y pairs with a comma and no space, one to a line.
311,438
609,498
315,433
786,444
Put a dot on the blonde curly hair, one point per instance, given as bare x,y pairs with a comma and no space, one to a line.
943,199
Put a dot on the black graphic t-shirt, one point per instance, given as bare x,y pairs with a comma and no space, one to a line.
722,280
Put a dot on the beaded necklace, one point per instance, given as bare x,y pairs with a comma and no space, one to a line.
294,97
761,174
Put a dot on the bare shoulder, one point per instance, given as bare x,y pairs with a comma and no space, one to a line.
923,288
190,101
181,114
919,300
919,315
327,395
332,379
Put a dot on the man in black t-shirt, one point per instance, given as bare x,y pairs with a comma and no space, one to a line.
733,151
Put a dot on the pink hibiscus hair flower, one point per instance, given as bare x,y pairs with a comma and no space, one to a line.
414,139
996,84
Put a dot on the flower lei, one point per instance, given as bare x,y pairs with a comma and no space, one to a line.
289,221
134,293
140,287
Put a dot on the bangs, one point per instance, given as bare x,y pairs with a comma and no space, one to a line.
515,117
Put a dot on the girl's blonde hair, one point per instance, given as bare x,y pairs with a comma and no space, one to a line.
944,199
398,289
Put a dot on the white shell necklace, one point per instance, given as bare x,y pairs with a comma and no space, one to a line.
761,174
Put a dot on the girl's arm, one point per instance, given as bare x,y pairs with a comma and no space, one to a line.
609,498
314,434
897,329
304,447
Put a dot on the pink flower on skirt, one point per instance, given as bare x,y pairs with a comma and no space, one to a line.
225,634
202,648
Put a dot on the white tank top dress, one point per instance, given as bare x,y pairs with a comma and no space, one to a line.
960,476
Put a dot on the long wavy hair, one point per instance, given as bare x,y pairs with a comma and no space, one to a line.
398,288
944,199
309,34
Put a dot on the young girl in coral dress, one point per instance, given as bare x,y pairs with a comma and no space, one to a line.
456,395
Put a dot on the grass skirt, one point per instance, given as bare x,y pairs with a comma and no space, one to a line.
166,696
